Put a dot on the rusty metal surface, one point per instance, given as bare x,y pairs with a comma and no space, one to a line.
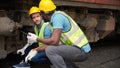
86,4
112,2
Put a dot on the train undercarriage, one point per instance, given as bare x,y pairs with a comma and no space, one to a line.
98,21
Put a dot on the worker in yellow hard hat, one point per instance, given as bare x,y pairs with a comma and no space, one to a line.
47,5
42,30
34,10
74,44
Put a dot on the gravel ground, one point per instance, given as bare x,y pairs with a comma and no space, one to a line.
104,54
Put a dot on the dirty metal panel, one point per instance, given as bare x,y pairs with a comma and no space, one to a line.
85,3
112,2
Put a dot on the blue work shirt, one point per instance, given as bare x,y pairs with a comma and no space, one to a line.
62,22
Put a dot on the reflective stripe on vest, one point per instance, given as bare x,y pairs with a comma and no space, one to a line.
74,36
41,33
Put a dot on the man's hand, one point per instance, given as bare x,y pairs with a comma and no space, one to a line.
41,48
31,54
30,42
32,38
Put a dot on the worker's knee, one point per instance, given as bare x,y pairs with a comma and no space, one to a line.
50,50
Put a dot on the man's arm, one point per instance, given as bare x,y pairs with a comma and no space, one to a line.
41,48
54,39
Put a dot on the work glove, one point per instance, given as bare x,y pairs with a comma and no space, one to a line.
22,50
32,38
30,55
30,42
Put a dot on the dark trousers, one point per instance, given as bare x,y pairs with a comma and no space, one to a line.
40,57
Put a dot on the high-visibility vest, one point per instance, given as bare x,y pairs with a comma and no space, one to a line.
75,35
41,33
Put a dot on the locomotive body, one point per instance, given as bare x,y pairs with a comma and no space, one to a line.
98,19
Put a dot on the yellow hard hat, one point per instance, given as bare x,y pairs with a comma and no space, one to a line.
47,5
34,9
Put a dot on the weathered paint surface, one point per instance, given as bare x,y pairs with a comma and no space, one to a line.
112,2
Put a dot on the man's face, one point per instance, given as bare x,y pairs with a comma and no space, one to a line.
46,17
36,17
